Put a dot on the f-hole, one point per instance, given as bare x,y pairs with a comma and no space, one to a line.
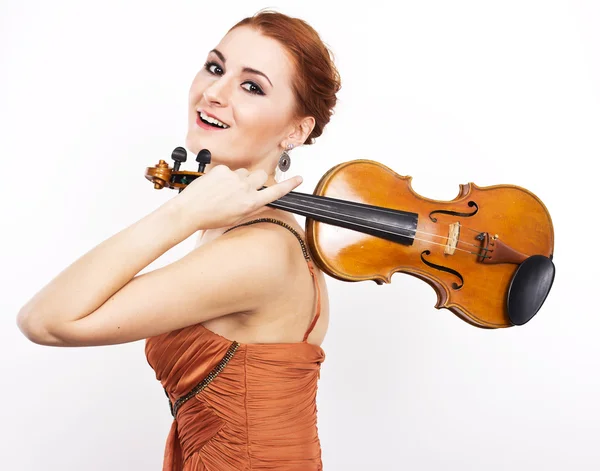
455,213
445,269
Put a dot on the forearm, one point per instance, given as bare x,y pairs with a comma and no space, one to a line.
91,280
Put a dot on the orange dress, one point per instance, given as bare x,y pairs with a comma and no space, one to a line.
236,406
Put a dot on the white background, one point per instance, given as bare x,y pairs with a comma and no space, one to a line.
91,93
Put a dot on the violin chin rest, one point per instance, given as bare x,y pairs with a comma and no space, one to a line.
529,288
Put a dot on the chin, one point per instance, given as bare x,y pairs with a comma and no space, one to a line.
195,144
220,151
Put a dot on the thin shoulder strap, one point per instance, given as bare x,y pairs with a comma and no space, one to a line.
311,267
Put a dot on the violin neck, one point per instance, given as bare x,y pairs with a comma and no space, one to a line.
390,224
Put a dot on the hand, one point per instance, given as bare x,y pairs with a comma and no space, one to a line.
223,196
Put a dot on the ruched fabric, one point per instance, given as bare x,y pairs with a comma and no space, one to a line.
257,412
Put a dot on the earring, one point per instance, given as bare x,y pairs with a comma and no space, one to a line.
285,160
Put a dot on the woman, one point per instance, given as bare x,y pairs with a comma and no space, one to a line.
248,403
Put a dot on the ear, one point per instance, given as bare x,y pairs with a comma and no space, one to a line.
301,131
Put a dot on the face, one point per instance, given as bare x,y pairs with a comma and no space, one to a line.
246,84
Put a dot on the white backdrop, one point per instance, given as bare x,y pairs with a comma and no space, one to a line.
447,92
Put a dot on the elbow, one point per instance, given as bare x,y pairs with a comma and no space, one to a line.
34,330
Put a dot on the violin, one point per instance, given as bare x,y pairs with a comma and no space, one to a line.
487,253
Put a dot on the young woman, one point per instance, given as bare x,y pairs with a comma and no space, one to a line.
233,329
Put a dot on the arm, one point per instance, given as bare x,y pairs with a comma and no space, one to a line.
97,300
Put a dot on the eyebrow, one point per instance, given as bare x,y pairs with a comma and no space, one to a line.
245,69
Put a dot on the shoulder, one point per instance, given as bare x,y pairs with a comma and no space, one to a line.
261,240
254,250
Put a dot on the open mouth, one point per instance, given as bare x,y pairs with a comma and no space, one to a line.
210,121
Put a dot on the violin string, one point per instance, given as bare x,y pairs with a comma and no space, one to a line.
371,208
446,237
407,234
444,245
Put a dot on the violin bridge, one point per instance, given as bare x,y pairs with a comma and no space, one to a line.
453,235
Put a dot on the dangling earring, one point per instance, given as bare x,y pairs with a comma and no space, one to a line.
284,163
285,160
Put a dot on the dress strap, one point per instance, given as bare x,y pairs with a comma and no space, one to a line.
318,308
311,267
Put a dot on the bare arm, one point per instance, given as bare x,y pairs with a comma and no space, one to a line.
97,300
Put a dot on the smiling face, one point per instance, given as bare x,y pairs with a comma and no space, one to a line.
246,85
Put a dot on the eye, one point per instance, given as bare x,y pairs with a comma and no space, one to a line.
213,68
251,87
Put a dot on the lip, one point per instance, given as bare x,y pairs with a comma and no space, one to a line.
207,126
210,115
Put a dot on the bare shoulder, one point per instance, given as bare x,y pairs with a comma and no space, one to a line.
260,244
289,307
270,229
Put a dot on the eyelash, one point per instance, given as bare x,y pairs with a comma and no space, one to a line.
257,91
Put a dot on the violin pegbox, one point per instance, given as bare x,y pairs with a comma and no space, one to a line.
164,176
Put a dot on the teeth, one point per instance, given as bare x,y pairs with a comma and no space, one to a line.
213,120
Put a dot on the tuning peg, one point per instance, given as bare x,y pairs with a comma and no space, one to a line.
203,158
179,155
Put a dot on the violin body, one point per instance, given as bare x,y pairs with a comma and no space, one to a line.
487,253
503,223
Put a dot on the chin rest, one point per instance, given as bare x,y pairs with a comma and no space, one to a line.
529,287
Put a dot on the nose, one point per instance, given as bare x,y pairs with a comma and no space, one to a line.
217,93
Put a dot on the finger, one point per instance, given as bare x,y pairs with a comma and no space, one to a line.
278,190
242,172
257,179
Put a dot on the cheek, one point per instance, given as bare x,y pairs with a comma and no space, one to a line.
262,120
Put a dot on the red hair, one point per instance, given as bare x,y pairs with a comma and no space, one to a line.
317,80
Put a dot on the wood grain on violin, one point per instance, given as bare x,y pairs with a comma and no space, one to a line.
455,247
